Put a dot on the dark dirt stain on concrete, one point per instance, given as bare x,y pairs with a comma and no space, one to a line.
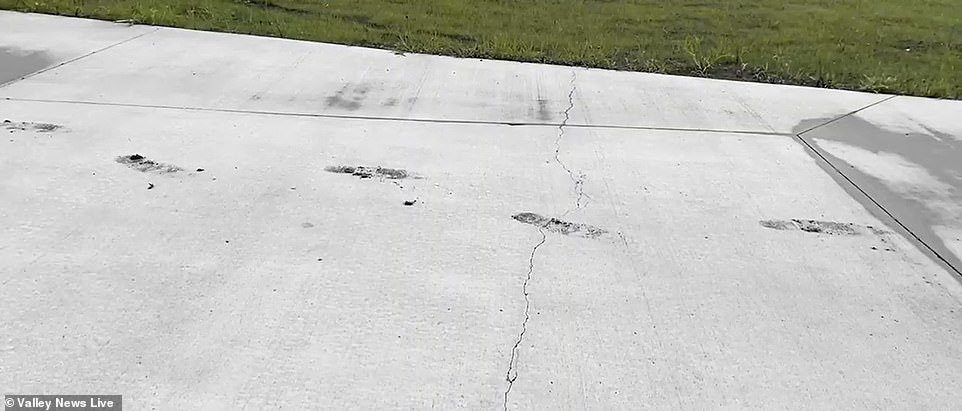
348,97
778,224
544,114
371,172
825,227
820,227
362,89
918,209
16,63
13,126
555,225
144,165
339,100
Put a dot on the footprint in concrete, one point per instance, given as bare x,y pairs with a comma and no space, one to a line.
370,172
820,227
144,165
555,225
14,126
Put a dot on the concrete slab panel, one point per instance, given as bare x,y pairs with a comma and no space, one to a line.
203,220
183,68
255,278
32,42
699,278
16,63
906,154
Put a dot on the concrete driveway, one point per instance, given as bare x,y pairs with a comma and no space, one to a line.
213,221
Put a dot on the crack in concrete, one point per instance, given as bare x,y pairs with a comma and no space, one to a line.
512,374
578,180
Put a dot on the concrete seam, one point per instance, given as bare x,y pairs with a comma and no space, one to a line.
512,374
56,66
851,113
402,119
888,213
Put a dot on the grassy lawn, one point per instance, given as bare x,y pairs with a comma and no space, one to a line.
898,46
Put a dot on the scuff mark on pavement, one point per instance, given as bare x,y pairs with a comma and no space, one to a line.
382,173
391,102
348,97
370,172
821,227
544,114
144,165
13,126
512,375
555,225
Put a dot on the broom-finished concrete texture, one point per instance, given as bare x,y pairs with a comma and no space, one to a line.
659,266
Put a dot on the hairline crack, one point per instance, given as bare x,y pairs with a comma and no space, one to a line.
512,374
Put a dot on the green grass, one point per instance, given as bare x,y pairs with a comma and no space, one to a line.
896,46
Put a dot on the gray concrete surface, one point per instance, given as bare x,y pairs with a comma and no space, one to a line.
233,271
15,63
907,155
